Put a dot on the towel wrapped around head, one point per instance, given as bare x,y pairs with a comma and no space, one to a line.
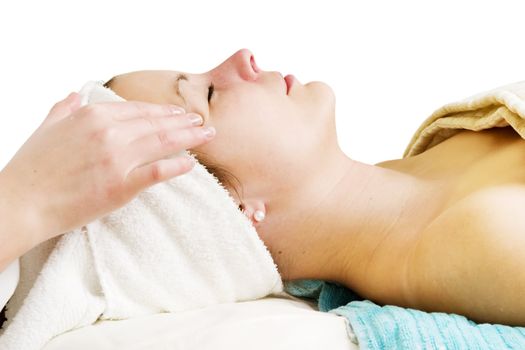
179,245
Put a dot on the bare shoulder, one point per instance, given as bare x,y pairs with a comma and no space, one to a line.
496,209
469,259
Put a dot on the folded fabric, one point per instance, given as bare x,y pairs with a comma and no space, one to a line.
393,327
179,245
495,108
376,327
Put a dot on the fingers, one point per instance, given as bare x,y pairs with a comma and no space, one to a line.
159,171
124,110
63,108
137,128
115,110
164,143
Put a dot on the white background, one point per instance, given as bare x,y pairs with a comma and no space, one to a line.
390,63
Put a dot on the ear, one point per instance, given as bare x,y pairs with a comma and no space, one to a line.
249,205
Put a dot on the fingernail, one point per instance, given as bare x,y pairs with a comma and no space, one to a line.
208,131
175,110
195,119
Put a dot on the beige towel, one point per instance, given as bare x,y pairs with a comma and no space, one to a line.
499,107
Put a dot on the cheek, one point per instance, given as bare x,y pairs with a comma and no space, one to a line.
272,135
269,141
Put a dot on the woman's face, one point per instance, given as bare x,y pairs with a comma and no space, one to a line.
270,140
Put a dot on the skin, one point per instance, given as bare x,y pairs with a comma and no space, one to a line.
317,224
247,107
328,216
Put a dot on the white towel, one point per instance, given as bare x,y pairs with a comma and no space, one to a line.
179,245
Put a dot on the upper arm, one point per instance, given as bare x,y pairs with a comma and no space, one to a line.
469,260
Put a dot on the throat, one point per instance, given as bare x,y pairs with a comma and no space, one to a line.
379,211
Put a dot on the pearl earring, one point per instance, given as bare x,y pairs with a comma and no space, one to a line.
258,215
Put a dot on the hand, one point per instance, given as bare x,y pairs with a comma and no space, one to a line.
82,163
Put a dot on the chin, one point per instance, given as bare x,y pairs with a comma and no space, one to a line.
324,96
324,90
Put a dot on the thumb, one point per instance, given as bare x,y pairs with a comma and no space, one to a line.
63,108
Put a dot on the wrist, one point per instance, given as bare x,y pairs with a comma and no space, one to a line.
21,219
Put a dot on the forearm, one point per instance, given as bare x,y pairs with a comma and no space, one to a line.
19,224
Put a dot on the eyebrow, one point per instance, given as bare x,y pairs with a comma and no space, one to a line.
179,77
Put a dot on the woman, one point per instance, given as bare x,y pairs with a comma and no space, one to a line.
420,232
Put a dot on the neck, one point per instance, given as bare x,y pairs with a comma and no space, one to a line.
351,209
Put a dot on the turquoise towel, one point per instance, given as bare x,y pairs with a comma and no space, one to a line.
391,327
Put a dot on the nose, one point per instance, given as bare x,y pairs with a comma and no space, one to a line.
239,65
